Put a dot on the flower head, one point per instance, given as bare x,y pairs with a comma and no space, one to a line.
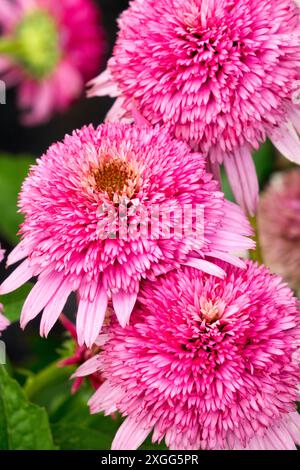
49,49
221,74
87,206
205,363
279,226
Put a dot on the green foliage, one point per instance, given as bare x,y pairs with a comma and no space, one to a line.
12,173
23,426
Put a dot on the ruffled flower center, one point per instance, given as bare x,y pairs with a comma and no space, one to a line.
34,44
116,177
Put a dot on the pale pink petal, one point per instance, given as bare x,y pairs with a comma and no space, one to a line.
104,85
20,252
54,308
104,399
130,435
20,276
295,117
41,103
287,141
123,304
242,176
118,113
206,266
90,317
88,368
234,260
39,296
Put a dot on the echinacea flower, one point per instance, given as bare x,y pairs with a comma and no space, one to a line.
278,221
4,323
74,239
80,356
49,49
205,363
221,74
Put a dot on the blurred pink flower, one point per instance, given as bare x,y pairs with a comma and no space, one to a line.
205,363
67,200
50,49
221,74
4,323
279,226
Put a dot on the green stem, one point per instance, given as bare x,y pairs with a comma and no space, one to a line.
256,255
50,375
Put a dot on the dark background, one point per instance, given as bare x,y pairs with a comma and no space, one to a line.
27,349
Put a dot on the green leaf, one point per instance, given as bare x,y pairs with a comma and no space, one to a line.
23,426
13,302
51,387
80,437
12,173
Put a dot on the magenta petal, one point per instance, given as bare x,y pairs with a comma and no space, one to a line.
123,305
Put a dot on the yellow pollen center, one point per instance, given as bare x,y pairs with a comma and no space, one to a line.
210,311
116,177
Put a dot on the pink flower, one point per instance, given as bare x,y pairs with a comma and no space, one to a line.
72,240
205,364
4,323
221,74
80,356
279,226
49,50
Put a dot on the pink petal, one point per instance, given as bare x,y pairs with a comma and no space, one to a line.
54,308
20,252
130,435
105,399
88,368
90,317
123,304
287,141
118,113
206,266
231,259
20,276
242,176
103,85
39,296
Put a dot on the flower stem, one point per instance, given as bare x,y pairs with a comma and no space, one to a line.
256,255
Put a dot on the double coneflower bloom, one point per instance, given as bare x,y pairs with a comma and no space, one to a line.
221,75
